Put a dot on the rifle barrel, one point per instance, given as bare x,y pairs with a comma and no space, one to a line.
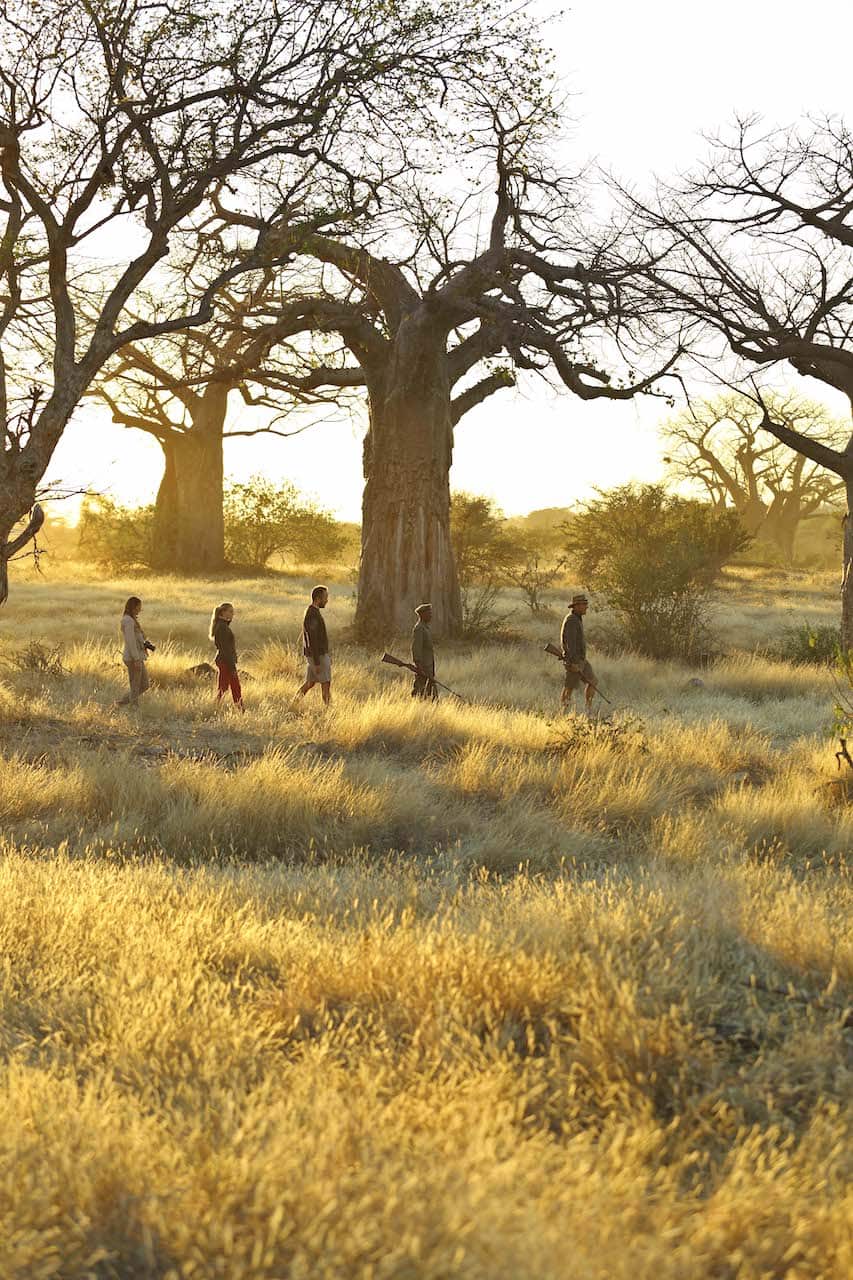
410,666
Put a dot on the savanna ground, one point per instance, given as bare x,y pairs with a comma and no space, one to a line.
414,991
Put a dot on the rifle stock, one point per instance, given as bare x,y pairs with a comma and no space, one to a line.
410,666
398,662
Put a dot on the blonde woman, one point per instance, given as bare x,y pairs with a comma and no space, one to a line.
136,650
226,653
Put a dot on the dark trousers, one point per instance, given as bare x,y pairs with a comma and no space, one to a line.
424,687
228,679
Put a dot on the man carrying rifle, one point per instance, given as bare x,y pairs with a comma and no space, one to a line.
423,655
573,644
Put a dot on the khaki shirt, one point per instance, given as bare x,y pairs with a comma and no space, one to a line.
134,640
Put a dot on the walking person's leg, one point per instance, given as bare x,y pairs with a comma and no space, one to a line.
591,686
223,682
572,683
236,691
128,697
138,681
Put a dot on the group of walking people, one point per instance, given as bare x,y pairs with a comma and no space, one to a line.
315,647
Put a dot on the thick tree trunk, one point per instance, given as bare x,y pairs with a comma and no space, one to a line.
165,532
753,514
406,555
781,529
188,526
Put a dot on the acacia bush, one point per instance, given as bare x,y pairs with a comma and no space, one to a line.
654,556
491,553
264,519
812,644
115,537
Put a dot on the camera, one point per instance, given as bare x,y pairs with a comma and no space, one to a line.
149,646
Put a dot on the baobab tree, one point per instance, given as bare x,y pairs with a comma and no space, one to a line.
720,448
436,307
117,120
757,249
178,389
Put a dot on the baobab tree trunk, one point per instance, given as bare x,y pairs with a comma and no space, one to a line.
781,528
189,530
164,551
406,555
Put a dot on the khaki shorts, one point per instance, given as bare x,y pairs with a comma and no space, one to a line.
574,679
319,672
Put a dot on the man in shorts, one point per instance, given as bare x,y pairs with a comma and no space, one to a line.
315,646
573,644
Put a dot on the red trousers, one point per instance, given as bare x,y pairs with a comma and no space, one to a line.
228,679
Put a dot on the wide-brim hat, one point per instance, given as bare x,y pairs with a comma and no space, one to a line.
580,598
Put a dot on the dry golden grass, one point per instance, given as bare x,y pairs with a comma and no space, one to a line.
413,991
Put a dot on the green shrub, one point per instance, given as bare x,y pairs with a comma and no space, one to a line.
492,552
263,519
654,556
818,645
118,538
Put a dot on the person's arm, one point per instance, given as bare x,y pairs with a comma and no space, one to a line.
572,642
133,645
230,646
418,648
312,631
223,638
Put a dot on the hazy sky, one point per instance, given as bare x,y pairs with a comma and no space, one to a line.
647,79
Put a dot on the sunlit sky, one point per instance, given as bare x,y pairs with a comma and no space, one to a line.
647,79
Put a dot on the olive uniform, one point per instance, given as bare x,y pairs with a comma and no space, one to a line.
573,644
423,656
315,646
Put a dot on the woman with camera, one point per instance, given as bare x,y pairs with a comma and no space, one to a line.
136,650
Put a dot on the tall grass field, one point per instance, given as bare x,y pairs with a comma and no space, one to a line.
402,990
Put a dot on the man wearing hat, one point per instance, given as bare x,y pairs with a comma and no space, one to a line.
573,644
423,655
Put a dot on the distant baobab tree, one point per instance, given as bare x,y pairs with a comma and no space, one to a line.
116,123
177,389
721,449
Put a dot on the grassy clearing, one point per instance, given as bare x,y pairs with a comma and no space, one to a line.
418,991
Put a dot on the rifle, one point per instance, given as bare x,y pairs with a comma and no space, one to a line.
558,653
410,666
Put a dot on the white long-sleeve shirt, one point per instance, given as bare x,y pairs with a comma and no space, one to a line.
134,640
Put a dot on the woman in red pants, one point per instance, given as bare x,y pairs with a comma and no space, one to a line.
226,653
